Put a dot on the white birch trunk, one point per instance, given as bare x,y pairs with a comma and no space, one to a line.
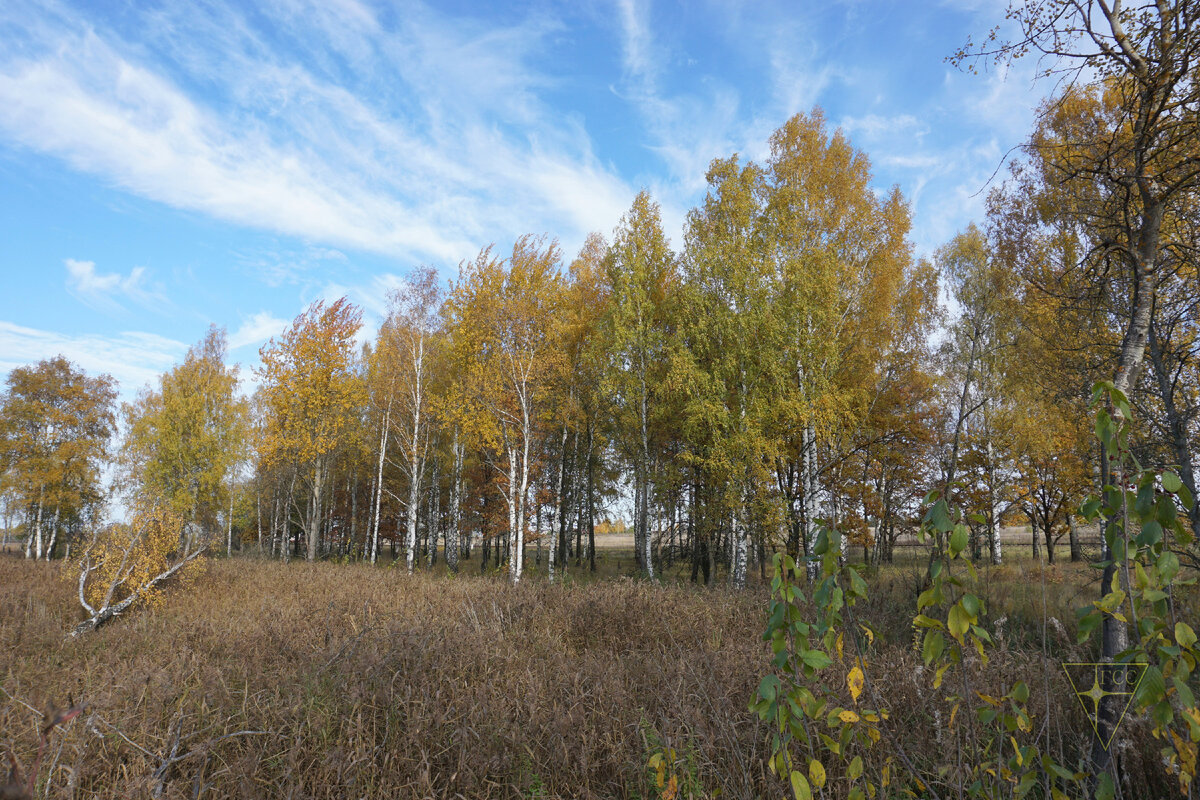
556,530
454,531
808,490
383,437
738,540
521,502
53,535
512,515
229,527
37,532
414,488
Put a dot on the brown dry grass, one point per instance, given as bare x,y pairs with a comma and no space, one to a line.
351,681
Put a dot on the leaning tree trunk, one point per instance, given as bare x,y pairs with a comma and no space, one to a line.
108,609
1175,424
383,437
1114,633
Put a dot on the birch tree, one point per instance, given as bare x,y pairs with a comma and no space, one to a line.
734,336
183,441
500,316
841,257
1126,168
56,424
408,346
985,293
642,274
312,393
123,564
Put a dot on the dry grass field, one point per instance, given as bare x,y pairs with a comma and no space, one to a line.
346,681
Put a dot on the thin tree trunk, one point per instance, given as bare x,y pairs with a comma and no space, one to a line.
37,531
53,534
513,512
229,527
352,545
737,571
435,515
1073,533
1175,425
414,496
557,528
809,479
454,531
383,437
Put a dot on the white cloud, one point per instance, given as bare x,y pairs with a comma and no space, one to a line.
134,358
101,291
257,329
291,144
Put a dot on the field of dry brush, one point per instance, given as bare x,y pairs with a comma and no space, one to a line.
335,681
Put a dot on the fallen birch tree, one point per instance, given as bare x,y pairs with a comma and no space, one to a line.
126,564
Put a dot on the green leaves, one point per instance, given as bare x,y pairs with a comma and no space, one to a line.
933,647
815,659
800,786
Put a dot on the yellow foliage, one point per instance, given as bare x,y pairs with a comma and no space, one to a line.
854,682
123,559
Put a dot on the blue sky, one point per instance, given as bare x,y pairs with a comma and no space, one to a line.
167,165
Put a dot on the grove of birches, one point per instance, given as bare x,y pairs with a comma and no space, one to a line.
787,368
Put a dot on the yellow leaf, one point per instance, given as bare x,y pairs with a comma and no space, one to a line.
847,716
816,773
854,682
941,673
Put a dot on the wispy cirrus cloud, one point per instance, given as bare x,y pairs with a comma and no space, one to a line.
104,291
256,329
134,358
407,138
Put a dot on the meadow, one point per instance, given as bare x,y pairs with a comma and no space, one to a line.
326,680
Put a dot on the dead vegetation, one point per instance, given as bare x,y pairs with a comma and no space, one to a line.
331,681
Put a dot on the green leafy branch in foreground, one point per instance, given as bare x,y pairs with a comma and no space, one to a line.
810,729
995,749
1142,527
